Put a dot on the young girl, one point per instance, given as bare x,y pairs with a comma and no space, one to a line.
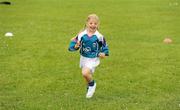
92,46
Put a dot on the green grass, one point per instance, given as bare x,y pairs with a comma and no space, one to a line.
38,73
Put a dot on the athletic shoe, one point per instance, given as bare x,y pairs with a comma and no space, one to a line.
91,91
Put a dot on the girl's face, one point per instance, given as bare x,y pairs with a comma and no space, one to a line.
92,25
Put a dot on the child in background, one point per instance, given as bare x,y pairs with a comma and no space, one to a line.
92,46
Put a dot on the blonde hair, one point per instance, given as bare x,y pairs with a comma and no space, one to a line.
92,16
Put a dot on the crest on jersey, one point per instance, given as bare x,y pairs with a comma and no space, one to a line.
94,45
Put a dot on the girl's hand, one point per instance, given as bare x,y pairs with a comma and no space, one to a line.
77,45
102,55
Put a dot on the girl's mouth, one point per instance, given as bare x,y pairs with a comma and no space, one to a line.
93,28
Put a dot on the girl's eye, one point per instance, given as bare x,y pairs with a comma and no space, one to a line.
93,23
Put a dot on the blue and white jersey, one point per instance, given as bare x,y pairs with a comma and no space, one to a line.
90,46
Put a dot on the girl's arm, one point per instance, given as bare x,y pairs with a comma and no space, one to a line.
74,44
104,50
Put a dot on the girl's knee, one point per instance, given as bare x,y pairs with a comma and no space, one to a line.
85,71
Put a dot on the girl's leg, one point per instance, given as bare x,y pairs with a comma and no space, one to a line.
90,82
86,72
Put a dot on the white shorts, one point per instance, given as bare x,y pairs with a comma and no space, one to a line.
90,63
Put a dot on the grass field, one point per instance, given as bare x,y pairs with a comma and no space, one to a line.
38,73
